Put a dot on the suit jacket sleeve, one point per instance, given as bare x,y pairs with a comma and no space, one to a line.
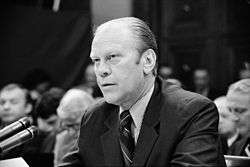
72,159
199,143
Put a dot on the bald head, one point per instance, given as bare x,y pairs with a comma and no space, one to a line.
73,105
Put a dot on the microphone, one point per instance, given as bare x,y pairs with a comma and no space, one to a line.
18,139
14,128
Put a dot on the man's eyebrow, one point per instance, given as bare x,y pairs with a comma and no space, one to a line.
93,56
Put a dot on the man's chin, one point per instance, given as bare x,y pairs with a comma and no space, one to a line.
8,120
244,131
111,99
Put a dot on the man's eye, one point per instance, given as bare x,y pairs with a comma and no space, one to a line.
14,101
95,60
240,110
110,57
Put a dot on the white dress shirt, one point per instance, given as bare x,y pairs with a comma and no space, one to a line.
232,139
137,112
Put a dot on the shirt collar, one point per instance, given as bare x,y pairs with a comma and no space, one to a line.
138,109
232,139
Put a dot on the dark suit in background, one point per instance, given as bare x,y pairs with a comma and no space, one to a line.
239,147
179,129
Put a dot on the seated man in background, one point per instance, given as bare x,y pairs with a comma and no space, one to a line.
227,125
41,149
89,83
47,119
202,84
238,102
244,73
166,72
15,103
70,111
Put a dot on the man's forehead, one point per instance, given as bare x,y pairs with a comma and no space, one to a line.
113,34
200,73
13,93
238,99
113,25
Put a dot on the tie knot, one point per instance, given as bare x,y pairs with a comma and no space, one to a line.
125,118
124,114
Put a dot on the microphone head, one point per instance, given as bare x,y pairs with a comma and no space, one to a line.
26,121
33,130
18,139
15,127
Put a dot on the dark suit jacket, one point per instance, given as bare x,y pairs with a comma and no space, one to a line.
179,128
240,146
229,150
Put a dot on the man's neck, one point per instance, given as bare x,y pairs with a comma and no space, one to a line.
149,83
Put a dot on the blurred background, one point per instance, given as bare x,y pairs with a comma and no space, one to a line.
50,39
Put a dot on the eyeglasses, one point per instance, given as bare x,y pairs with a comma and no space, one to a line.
68,126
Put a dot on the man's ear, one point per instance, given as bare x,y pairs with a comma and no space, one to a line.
28,108
149,61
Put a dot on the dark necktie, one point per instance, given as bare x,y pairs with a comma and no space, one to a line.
126,140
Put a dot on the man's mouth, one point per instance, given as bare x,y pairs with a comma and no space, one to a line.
107,84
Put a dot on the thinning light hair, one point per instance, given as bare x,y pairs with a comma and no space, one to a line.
241,87
74,104
141,31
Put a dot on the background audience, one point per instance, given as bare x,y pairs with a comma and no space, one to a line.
58,115
202,84
227,125
15,103
89,83
47,119
238,103
166,72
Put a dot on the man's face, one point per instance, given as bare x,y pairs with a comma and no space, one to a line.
239,105
13,104
227,125
118,65
47,125
201,79
90,75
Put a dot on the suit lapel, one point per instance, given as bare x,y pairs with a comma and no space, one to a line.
109,139
241,146
149,130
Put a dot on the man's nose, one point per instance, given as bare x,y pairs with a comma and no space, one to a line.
103,70
6,106
235,116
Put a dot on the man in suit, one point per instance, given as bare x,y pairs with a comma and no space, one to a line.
142,120
238,102
15,103
202,84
